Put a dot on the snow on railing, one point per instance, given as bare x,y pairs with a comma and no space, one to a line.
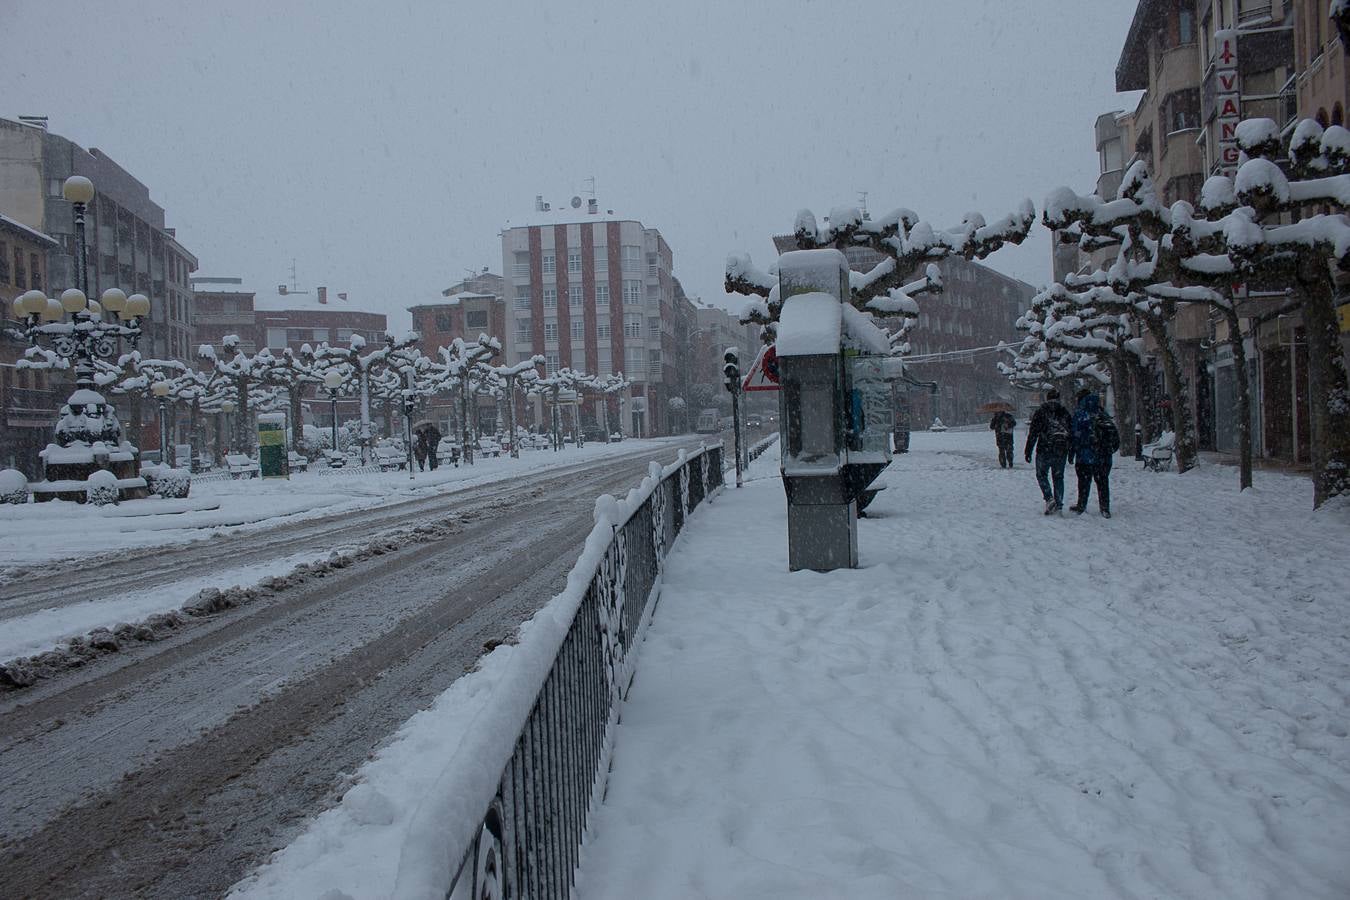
508,815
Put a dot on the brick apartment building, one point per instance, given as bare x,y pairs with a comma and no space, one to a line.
596,292
465,310
28,399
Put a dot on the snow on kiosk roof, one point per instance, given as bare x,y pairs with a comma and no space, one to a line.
813,319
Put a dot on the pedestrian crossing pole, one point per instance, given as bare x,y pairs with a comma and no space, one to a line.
731,371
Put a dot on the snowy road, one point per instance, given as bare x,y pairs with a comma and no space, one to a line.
170,769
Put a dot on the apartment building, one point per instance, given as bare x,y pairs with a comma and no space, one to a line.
596,292
128,243
28,401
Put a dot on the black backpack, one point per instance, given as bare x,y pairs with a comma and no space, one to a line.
1056,437
1105,435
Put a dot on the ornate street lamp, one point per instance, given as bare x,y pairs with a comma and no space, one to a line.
227,407
332,380
161,391
77,330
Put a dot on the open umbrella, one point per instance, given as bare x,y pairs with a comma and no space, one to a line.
996,406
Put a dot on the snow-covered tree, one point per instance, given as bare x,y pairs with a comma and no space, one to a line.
909,245
1241,233
361,364
510,377
459,370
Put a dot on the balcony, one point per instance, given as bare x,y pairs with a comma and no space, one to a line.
1108,183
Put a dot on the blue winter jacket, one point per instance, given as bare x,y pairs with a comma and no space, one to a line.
1084,450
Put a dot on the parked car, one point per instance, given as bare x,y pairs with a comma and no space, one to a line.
754,422
488,446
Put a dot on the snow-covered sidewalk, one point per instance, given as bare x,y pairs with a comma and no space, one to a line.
996,704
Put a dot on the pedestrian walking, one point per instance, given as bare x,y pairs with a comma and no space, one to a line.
1095,441
1002,425
433,439
420,452
1049,437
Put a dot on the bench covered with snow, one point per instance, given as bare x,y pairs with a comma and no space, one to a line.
388,458
240,466
296,461
1158,455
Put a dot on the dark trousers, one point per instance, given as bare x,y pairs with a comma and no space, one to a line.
1087,474
1005,450
1050,465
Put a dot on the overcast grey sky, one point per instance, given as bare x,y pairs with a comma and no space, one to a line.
385,145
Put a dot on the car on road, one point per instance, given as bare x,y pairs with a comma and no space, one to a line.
754,422
489,447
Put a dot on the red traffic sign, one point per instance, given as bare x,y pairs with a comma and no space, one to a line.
763,375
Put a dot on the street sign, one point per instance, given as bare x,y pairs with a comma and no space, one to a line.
763,375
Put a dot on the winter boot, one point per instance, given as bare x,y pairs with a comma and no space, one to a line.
1106,514
1050,507
1078,508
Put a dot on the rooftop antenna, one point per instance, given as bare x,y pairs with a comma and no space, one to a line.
294,286
862,201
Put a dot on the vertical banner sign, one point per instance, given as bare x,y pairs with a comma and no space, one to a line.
272,445
1227,99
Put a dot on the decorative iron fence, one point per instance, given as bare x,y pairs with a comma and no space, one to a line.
524,841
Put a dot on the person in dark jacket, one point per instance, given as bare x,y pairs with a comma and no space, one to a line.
1049,437
1002,425
1091,461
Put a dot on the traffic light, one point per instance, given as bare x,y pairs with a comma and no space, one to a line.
732,370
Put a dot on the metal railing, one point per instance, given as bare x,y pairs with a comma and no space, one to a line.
526,843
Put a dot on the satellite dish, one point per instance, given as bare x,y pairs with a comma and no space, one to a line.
576,203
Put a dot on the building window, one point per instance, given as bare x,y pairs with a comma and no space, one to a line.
1186,25
578,329
550,263
20,277
603,365
632,258
602,258
551,360
653,267
520,268
477,318
524,329
550,331
602,295
654,329
550,298
4,262
574,261
574,296
442,321
35,273
632,326
602,329
632,293
637,363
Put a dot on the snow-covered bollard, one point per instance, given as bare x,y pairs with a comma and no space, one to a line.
13,486
101,488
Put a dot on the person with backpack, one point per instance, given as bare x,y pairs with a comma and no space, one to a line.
1002,425
1049,437
1095,441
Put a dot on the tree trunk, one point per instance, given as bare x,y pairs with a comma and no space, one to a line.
1244,400
134,401
241,422
1329,388
297,426
1122,385
1182,425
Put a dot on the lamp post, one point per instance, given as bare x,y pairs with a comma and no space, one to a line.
409,403
79,191
161,391
332,381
